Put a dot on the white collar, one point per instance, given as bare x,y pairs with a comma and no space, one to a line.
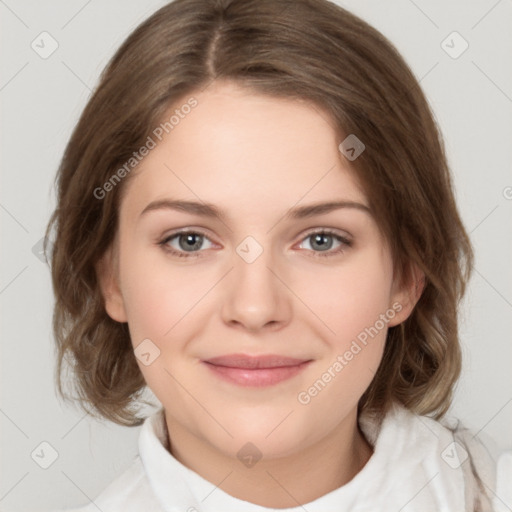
407,448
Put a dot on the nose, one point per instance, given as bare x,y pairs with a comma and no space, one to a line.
256,297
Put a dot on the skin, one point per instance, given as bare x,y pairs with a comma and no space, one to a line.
255,157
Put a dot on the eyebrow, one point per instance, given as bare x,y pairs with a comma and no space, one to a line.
212,211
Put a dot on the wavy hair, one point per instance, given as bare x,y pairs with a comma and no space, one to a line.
304,49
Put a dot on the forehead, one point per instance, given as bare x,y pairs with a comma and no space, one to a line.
251,151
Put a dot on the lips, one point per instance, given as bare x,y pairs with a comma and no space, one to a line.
257,371
254,362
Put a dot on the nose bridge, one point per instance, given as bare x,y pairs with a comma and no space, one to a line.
256,296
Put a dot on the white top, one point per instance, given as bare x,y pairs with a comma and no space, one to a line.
418,465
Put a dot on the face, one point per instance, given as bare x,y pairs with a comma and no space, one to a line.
207,296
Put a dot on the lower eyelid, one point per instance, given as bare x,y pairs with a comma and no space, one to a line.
344,245
165,242
344,241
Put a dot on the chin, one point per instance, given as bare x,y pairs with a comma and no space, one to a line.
273,436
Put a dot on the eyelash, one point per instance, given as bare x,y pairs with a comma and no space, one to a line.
196,254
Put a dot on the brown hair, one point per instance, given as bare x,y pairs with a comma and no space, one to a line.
302,49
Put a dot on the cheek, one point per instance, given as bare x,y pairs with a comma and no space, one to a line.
159,299
158,294
353,303
352,297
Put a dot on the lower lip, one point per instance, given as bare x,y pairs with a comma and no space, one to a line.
257,377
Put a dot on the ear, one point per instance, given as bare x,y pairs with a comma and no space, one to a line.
107,274
406,293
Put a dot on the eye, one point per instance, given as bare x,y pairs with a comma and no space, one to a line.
188,244
183,242
323,240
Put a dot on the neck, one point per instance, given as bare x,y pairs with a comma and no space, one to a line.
284,482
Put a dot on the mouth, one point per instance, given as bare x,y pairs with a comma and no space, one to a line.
255,371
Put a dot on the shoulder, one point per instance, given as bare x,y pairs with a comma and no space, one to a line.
129,492
459,460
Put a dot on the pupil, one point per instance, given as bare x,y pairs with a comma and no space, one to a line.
322,245
193,241
190,243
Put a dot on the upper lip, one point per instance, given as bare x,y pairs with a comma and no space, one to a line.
254,362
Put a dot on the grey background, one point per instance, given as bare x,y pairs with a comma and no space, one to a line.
41,100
